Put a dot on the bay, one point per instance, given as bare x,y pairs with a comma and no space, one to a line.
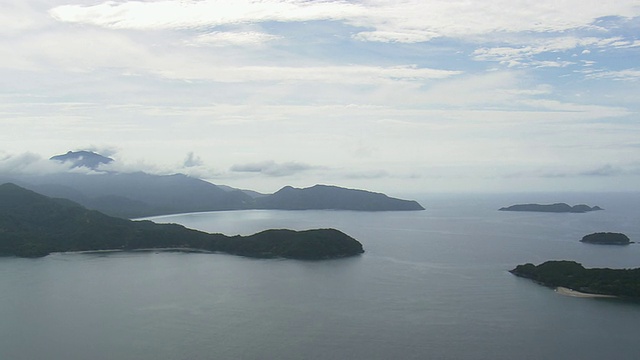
432,284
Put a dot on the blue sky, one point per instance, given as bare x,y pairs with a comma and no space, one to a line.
394,96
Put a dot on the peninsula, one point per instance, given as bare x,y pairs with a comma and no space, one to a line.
606,238
552,208
93,182
572,275
33,225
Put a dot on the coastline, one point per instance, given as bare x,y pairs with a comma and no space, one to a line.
163,249
573,293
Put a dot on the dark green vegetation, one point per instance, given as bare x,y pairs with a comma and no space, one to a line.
33,225
572,275
554,208
606,238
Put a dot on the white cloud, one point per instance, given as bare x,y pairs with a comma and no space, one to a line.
271,168
389,21
220,38
522,54
31,164
621,75
358,85
355,74
101,50
175,14
17,17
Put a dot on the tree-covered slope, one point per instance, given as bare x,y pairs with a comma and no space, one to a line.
34,225
572,275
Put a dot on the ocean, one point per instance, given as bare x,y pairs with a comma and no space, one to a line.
431,284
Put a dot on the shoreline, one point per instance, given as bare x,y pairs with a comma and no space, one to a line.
165,249
574,293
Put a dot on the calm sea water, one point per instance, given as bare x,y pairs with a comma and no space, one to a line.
431,285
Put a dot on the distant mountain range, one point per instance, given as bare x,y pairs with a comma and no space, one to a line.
138,194
33,225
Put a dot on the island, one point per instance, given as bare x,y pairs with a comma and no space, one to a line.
606,238
572,275
326,197
33,225
553,208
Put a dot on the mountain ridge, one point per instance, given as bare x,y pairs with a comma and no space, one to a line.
140,194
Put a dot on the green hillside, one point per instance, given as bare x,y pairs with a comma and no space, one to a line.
33,225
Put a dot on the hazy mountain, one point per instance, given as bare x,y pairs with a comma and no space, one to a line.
138,194
133,195
253,194
34,225
87,159
333,197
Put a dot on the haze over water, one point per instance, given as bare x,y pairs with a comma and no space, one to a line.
431,285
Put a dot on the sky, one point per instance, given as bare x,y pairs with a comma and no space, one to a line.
393,96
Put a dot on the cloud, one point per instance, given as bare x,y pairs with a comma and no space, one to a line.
271,168
192,160
17,17
583,171
355,74
96,50
32,164
522,51
605,170
201,14
620,75
225,38
104,150
367,174
385,20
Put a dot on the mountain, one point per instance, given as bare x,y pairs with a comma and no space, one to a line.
33,225
132,195
253,194
86,159
554,208
334,198
139,194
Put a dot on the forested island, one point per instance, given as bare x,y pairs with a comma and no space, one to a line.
553,208
606,238
33,225
572,275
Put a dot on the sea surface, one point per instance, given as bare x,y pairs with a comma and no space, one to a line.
432,284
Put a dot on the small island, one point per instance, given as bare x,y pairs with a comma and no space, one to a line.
572,275
606,238
552,208
33,225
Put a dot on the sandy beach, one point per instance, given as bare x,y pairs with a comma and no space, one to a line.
568,292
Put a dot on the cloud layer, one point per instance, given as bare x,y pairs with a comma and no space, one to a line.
401,21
